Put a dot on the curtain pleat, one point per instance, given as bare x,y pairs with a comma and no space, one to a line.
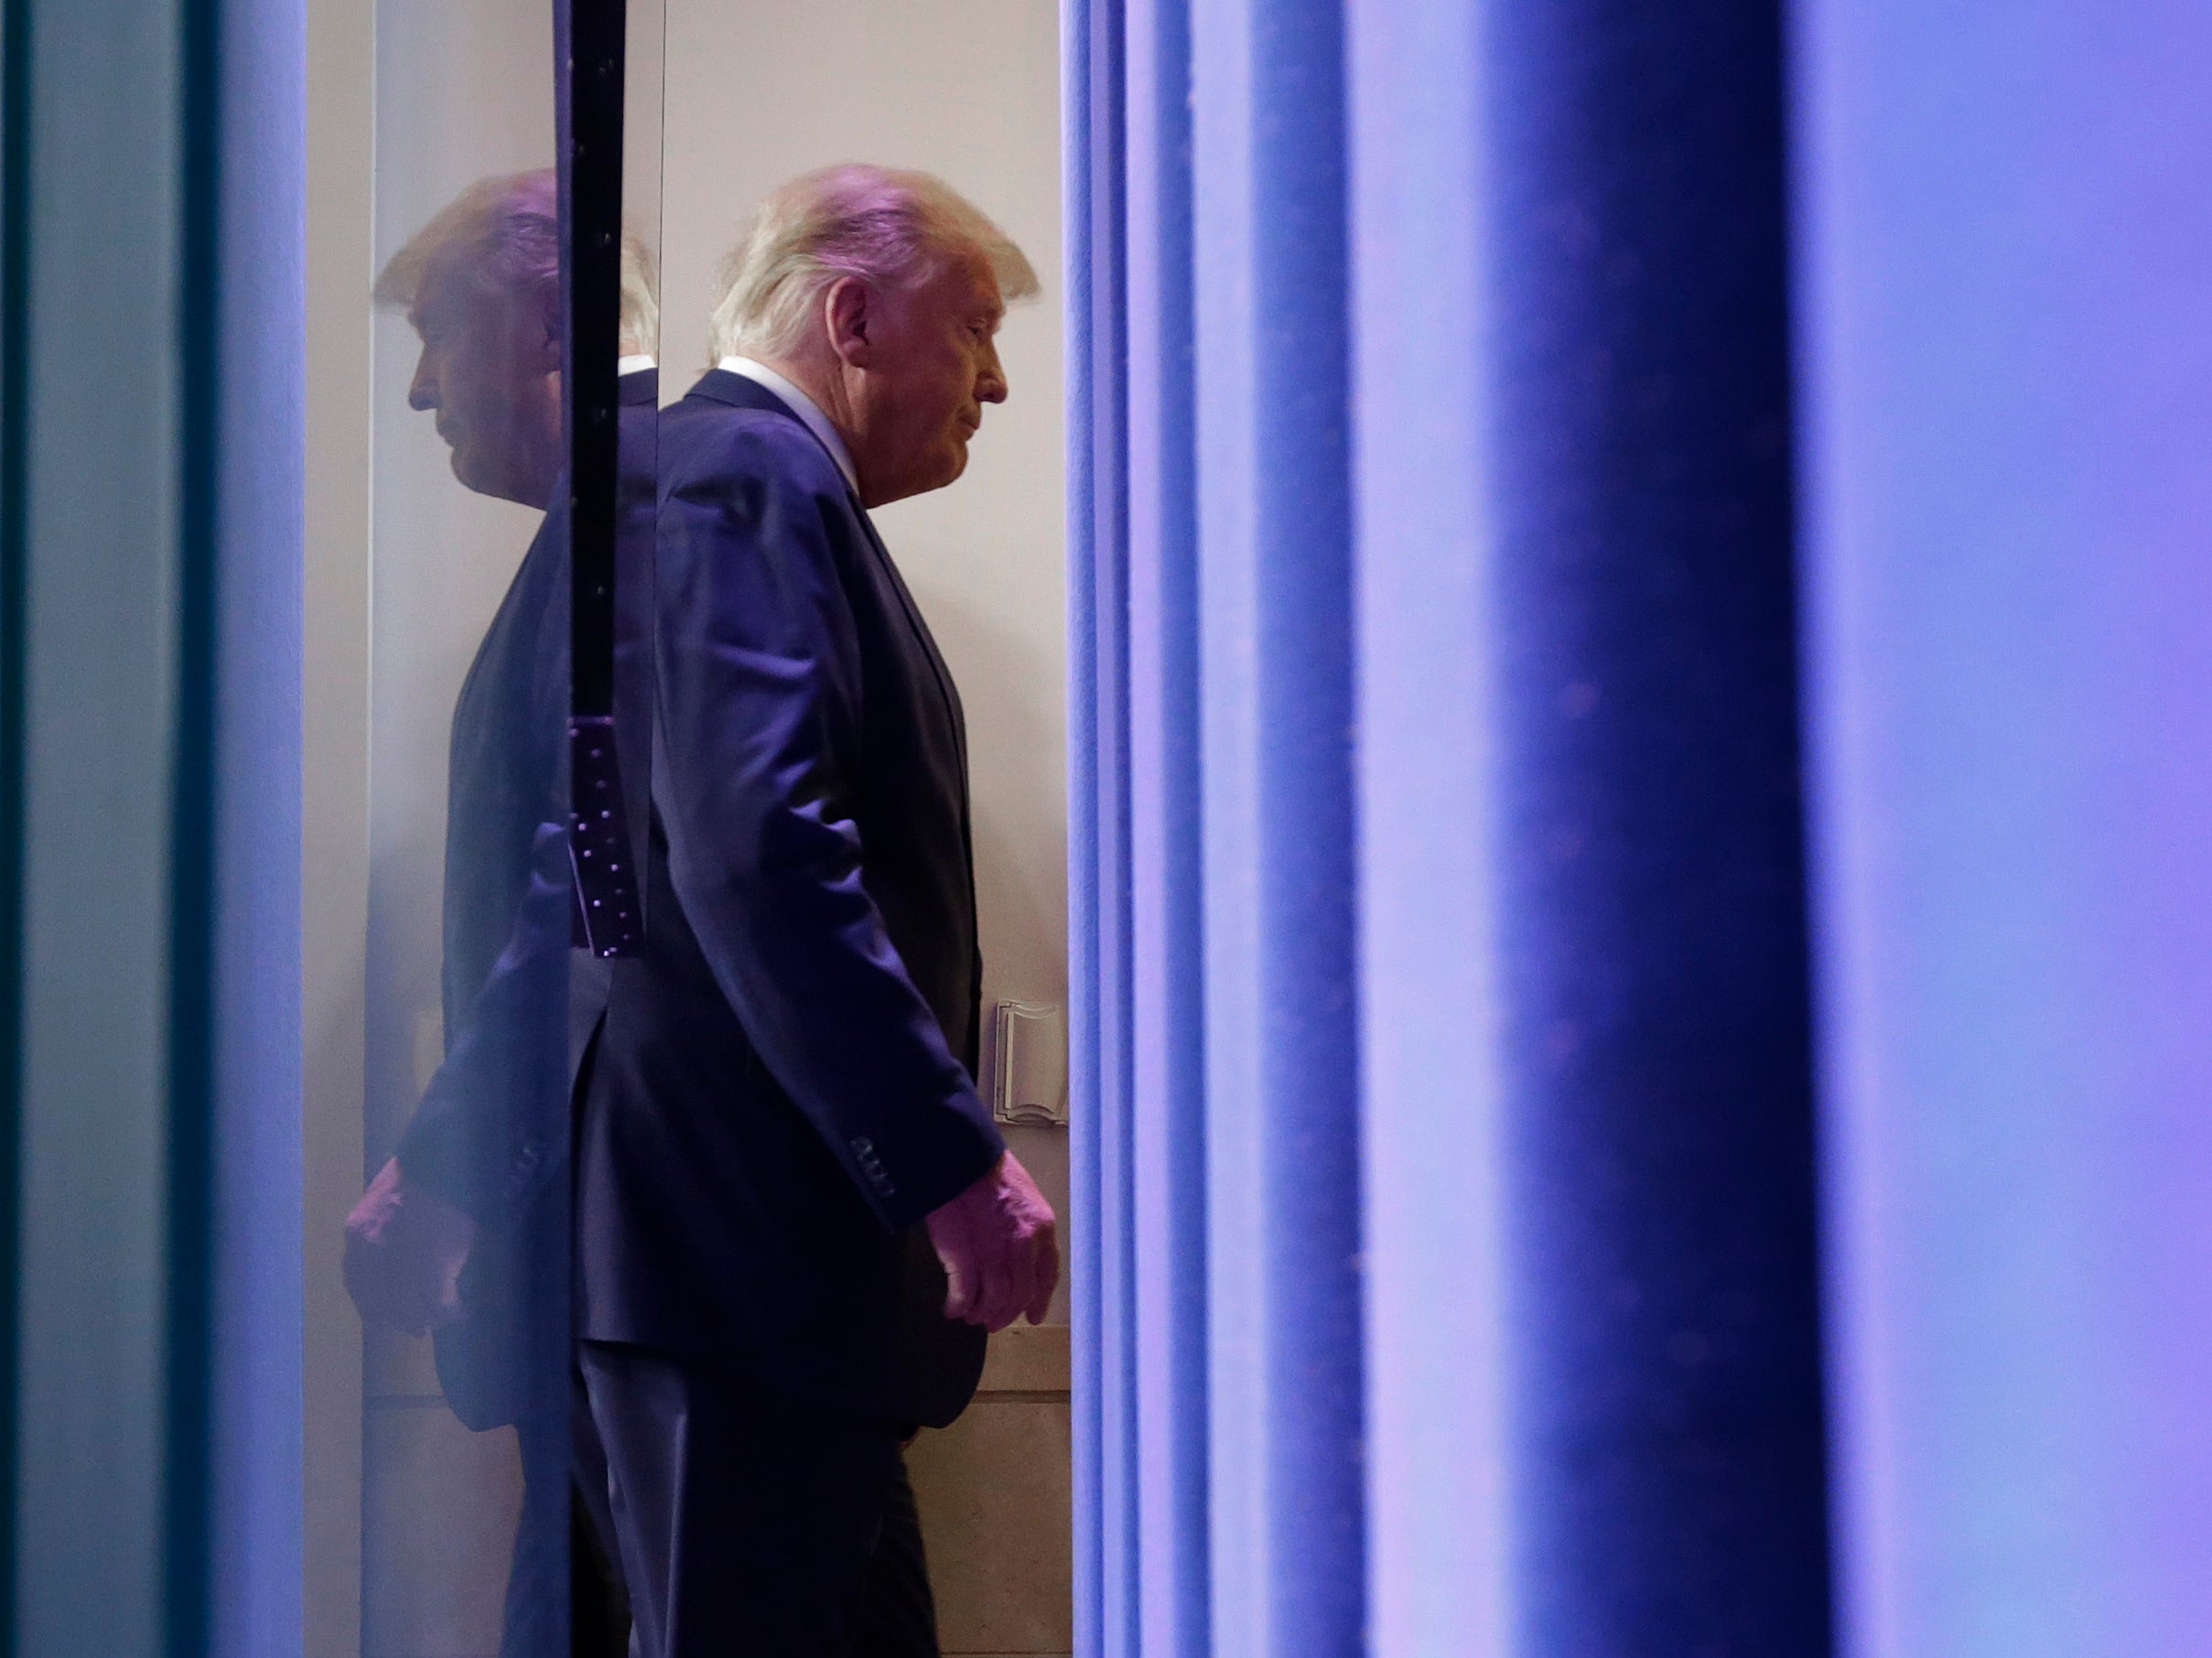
151,391
1449,1132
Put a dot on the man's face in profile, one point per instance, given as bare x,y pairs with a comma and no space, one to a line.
489,370
935,365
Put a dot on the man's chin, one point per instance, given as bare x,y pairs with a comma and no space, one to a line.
919,482
473,475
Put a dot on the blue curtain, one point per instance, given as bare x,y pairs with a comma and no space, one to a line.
1446,1139
150,480
2006,329
1528,1204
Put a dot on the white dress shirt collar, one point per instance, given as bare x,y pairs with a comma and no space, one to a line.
801,404
633,365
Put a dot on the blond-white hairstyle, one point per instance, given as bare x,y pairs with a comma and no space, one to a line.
888,226
506,230
640,298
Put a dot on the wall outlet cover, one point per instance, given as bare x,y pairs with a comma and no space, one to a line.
1031,1080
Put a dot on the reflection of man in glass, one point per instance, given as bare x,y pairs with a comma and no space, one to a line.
795,1218
463,1232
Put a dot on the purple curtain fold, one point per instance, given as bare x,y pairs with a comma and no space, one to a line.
2005,365
1446,1131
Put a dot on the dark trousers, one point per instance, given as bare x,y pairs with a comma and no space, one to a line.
565,1598
749,1525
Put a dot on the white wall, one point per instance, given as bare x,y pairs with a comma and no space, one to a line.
968,91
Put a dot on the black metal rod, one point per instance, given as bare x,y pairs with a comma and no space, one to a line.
588,39
591,208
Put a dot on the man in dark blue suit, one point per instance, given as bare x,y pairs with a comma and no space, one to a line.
796,1221
464,1230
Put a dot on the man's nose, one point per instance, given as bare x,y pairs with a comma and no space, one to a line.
990,385
422,390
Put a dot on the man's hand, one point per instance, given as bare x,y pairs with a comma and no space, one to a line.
1000,1247
405,1248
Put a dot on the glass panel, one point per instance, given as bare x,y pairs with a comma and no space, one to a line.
452,1003
464,751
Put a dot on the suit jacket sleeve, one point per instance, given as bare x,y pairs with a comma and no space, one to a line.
760,686
492,1124
492,1127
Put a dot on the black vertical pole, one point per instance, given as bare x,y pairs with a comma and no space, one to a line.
588,40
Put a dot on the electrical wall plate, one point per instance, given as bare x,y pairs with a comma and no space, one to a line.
1029,1081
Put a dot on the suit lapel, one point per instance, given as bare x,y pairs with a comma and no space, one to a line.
494,644
924,637
721,386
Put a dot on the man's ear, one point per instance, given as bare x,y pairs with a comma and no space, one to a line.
848,313
549,338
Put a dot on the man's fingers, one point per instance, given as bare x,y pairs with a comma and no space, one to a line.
977,1285
999,1312
1036,1280
368,1282
992,1305
1013,1291
390,1311
448,1309
1000,1249
387,1294
1020,1280
959,1287
398,1309
1047,1279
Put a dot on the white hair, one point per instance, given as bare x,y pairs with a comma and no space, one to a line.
641,325
505,229
507,232
885,225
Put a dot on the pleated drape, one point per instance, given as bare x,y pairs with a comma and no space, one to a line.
151,394
1445,1130
1275,807
2006,365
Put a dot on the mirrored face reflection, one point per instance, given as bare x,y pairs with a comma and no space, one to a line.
932,366
489,370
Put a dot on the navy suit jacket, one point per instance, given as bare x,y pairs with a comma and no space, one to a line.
492,1134
783,1089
